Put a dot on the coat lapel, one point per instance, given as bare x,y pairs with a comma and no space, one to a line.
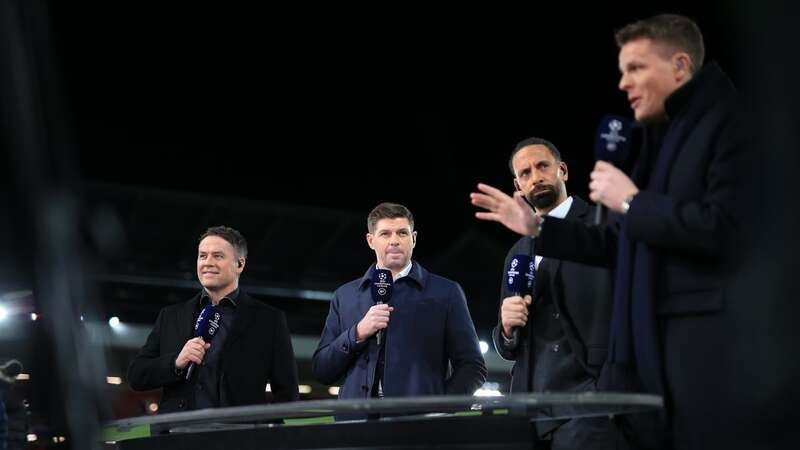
244,319
187,317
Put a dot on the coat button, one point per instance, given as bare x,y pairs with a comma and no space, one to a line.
556,348
556,315
181,404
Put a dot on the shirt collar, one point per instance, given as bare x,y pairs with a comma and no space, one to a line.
562,209
413,271
232,296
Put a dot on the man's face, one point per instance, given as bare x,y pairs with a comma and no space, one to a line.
393,242
649,76
217,266
539,176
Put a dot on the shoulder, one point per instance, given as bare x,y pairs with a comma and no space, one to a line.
260,307
175,308
349,288
437,284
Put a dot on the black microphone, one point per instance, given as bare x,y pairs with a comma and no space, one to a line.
612,144
206,325
520,277
381,292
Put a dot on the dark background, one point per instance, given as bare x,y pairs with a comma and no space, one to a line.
290,125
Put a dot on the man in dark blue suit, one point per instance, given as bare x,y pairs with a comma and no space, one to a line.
674,239
429,345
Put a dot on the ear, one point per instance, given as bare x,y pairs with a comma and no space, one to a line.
369,240
683,64
413,239
516,185
563,170
240,265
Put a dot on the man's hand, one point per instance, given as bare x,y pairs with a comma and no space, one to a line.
193,351
513,212
514,313
610,186
377,318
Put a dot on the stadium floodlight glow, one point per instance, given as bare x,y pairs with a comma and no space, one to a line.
114,322
484,347
34,316
333,390
3,313
489,389
113,380
304,389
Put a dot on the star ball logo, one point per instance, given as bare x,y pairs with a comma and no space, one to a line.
382,284
613,138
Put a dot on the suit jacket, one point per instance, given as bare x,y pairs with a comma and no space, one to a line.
581,303
581,296
431,344
257,351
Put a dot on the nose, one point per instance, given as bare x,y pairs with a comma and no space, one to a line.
624,83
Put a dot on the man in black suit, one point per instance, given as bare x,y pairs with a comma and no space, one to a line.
563,328
674,239
252,346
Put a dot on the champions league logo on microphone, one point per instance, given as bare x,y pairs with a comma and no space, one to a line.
381,283
529,274
512,271
213,324
613,138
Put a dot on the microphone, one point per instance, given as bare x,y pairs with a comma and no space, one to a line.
206,325
381,292
612,144
520,276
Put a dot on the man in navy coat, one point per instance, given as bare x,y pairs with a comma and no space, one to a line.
429,345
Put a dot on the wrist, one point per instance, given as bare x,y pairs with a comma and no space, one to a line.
626,202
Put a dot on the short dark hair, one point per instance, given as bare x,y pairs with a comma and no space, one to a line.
677,31
533,141
231,235
388,211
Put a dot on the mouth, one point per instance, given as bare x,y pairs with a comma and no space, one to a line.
541,189
635,101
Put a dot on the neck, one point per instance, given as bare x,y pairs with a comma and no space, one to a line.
218,294
395,271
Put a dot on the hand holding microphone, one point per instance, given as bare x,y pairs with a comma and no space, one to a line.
514,314
205,328
609,185
193,352
519,281
377,318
